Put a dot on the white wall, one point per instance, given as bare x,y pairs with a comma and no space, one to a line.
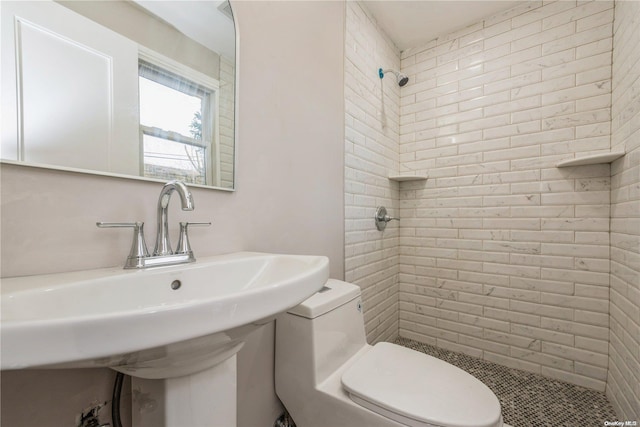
504,256
623,383
289,196
371,155
138,25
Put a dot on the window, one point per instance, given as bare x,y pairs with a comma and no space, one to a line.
177,126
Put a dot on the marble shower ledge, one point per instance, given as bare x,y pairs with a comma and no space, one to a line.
592,159
401,178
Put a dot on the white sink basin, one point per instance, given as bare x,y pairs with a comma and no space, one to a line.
134,322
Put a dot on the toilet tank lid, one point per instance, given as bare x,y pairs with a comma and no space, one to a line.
332,295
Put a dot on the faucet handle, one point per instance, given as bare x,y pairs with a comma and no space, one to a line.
382,218
184,247
101,224
138,247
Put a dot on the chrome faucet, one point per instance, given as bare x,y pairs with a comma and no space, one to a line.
163,246
139,257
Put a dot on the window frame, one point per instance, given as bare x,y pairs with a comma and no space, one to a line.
210,128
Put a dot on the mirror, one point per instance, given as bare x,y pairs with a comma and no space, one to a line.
142,89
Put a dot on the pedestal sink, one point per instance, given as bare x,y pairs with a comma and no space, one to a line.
183,324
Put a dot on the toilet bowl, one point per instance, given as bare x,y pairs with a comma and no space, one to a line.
327,375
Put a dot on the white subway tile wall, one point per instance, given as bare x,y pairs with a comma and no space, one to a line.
502,255
371,155
623,383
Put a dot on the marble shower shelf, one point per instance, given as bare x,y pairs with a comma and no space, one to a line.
401,178
592,159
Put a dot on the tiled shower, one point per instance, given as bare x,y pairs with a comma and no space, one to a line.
499,254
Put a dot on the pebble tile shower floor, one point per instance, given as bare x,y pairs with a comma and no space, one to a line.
527,399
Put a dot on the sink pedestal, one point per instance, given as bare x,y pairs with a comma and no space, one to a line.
203,399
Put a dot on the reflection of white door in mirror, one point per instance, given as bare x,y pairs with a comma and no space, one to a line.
75,77
89,116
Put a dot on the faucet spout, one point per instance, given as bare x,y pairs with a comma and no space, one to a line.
163,245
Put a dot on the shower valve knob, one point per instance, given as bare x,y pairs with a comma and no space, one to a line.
382,218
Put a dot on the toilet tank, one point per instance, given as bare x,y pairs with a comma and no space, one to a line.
316,337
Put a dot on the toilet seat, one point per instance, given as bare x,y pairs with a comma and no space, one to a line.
419,390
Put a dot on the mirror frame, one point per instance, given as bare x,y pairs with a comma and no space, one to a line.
157,180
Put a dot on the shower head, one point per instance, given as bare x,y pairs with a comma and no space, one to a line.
402,78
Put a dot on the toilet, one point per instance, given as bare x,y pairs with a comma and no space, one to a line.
327,375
